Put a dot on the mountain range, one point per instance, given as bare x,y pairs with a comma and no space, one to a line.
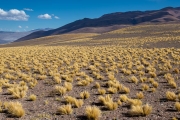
112,21
7,36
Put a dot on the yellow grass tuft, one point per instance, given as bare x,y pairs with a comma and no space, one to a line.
93,113
97,85
32,97
15,109
123,98
85,95
177,106
68,86
171,96
111,105
140,110
140,95
101,91
65,110
112,90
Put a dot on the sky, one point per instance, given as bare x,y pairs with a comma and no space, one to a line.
26,15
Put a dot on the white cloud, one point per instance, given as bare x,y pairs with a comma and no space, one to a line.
19,26
56,17
13,14
45,16
28,9
27,27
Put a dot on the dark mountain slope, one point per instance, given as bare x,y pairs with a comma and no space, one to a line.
168,14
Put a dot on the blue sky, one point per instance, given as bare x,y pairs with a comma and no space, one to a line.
25,15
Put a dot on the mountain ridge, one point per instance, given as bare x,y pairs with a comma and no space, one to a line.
168,14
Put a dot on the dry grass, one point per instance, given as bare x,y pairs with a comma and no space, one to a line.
85,95
177,106
171,96
93,113
112,68
65,110
140,110
32,97
15,109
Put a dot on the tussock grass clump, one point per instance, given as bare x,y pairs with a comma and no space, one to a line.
97,85
73,101
32,97
123,89
177,106
140,95
172,83
134,79
101,91
18,91
123,98
111,105
104,100
15,109
134,102
59,90
112,90
140,110
145,87
69,99
155,84
57,79
65,110
85,95
83,83
119,102
93,112
78,103
68,86
171,96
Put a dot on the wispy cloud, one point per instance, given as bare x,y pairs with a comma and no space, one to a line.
45,16
19,26
13,14
56,17
28,9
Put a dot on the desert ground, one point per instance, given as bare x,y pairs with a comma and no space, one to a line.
128,74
